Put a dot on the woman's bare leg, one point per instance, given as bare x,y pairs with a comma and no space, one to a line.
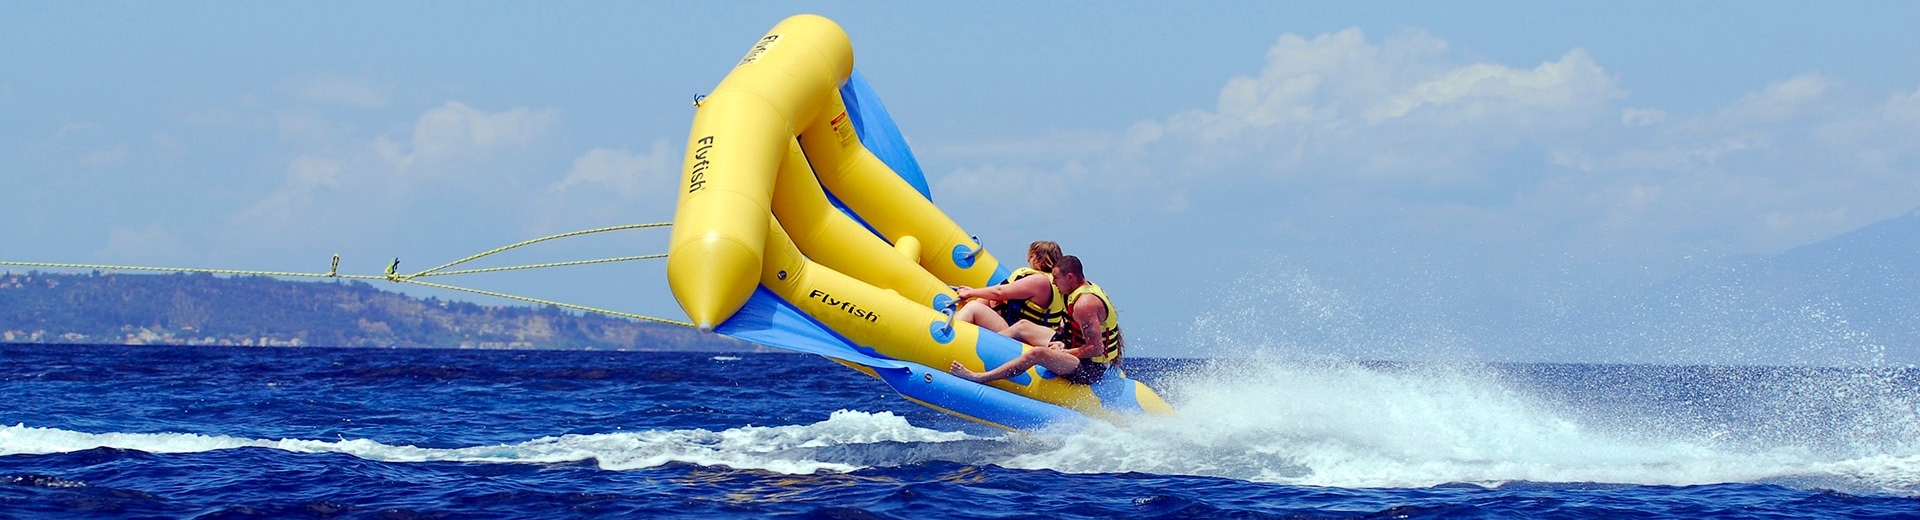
1028,332
978,313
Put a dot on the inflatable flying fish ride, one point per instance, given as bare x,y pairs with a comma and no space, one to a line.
804,223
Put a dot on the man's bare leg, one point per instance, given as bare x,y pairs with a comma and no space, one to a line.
1059,361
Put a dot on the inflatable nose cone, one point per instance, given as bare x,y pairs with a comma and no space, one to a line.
711,277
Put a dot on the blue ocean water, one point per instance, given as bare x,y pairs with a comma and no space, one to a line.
192,432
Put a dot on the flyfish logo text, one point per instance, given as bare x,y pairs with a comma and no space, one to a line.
846,306
759,48
697,175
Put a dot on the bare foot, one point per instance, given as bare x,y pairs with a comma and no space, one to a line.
960,370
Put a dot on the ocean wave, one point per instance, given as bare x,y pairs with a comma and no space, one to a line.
783,449
1319,423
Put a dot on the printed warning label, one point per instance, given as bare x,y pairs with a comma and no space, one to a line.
843,128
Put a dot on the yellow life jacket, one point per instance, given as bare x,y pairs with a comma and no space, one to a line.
1050,316
1110,328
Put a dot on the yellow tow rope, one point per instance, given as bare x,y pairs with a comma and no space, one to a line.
393,274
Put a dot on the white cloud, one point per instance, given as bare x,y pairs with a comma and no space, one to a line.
305,176
307,127
455,132
1339,108
1342,81
611,185
1484,90
336,90
1903,108
450,145
1009,195
93,147
76,129
1641,117
1793,162
306,172
1782,100
1364,138
626,173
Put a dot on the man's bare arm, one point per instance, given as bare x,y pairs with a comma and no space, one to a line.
1090,316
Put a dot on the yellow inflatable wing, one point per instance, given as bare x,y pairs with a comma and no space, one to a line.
805,224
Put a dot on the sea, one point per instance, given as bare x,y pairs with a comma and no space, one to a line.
251,432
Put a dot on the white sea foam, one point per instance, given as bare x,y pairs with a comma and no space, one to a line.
1350,425
21,439
773,448
1319,423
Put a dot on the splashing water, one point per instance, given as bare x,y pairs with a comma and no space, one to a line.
1293,407
1358,425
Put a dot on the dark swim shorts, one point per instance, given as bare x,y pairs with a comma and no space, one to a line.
1088,373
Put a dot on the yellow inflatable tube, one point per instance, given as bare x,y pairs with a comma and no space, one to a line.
739,138
894,209
761,252
833,239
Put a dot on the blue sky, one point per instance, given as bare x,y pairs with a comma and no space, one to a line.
1370,179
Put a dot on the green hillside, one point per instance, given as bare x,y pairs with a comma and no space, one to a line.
202,309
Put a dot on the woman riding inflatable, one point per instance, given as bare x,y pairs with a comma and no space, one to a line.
1028,295
1092,330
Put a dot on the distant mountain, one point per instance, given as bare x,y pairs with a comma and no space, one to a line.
1850,299
202,309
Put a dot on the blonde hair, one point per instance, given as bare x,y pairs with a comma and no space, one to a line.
1043,254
